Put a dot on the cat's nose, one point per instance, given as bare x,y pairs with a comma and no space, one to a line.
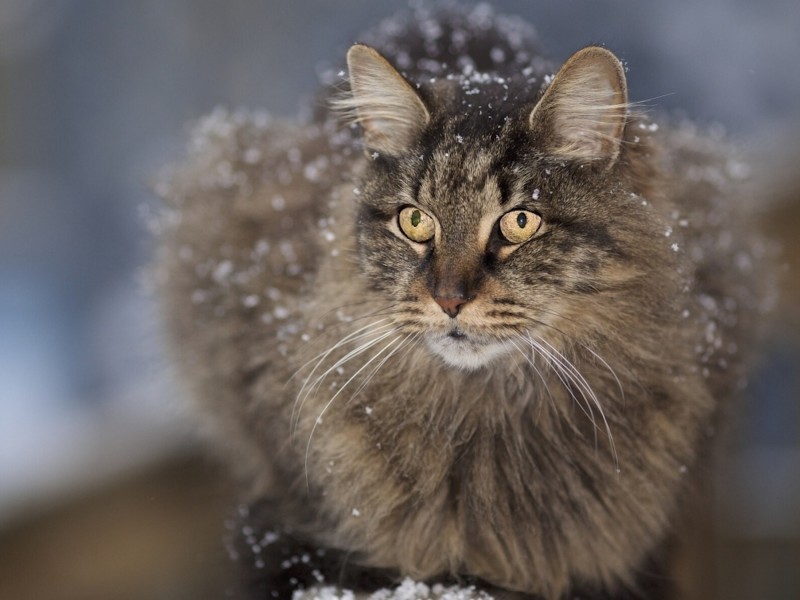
451,304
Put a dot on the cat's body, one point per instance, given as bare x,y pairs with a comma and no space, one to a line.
411,403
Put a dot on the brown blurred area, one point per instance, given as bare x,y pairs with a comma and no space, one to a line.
154,534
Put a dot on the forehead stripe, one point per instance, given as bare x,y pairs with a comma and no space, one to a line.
505,189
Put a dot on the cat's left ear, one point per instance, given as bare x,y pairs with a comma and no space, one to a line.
389,110
581,116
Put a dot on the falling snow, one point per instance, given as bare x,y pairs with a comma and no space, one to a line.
233,146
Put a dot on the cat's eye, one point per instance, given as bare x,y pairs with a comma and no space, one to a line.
519,226
416,224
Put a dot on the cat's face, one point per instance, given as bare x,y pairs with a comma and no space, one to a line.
477,246
484,240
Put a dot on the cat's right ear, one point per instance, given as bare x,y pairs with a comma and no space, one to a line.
389,110
581,116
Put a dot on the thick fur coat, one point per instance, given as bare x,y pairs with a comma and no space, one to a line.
454,402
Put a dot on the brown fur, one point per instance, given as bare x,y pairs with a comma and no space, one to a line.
508,471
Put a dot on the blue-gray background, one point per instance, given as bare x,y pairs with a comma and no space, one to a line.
95,96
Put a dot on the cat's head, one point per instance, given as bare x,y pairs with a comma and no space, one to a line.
491,214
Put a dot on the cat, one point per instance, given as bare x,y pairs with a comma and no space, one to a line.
471,322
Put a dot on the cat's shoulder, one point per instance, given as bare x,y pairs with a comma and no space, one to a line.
254,166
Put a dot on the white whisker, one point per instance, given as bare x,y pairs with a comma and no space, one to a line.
532,363
585,347
349,337
575,376
610,370
318,420
563,373
308,388
375,370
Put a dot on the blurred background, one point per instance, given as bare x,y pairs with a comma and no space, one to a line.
103,491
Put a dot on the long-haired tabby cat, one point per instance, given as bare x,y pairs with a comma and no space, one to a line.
471,322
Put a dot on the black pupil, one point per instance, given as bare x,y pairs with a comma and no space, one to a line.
522,220
415,218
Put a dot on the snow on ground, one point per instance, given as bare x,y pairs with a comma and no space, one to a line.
407,590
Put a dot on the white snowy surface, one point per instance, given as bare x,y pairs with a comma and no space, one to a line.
407,590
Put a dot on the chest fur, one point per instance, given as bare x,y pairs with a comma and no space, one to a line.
492,478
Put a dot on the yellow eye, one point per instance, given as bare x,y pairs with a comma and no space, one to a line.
519,226
415,224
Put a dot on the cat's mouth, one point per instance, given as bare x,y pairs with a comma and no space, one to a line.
457,334
465,351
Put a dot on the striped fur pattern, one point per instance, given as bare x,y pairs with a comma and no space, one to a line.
542,438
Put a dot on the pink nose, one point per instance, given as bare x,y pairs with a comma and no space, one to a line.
451,305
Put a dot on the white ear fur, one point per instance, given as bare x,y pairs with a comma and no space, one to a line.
581,116
389,110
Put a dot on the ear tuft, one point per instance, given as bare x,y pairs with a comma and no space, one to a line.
389,110
581,116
